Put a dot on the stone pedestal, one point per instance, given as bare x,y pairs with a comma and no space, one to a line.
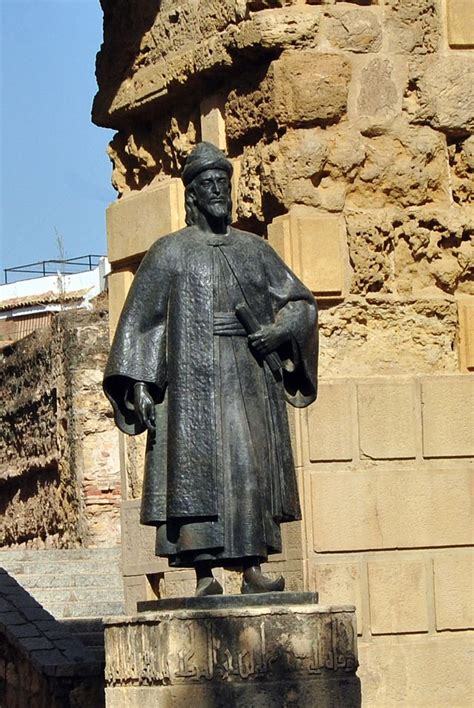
271,651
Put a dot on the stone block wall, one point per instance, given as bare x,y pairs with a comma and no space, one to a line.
59,470
350,127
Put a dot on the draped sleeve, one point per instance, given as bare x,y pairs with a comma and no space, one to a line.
138,351
295,308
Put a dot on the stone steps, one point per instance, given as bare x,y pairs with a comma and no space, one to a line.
77,583
70,581
84,610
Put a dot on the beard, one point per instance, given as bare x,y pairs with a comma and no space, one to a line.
217,209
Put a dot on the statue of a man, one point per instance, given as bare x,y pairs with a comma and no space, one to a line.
216,334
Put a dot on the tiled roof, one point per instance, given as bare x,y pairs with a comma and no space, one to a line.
47,298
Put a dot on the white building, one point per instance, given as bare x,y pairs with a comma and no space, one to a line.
30,304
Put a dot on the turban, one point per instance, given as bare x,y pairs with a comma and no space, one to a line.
204,156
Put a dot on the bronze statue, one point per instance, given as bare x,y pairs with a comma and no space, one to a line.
216,334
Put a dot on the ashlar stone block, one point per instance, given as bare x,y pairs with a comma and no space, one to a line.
310,86
118,282
339,582
375,98
135,222
417,671
386,420
138,543
251,654
375,509
355,29
443,97
398,597
454,591
314,246
460,17
330,423
448,416
213,122
466,333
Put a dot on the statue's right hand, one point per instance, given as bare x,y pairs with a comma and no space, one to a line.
144,405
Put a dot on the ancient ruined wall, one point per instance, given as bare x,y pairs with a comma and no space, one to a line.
59,471
350,129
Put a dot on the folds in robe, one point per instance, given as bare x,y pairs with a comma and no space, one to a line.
165,338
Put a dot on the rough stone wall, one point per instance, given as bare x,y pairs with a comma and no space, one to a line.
59,470
350,127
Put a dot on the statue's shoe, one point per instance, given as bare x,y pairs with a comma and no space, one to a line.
255,581
208,586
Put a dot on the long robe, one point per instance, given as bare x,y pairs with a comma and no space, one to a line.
219,475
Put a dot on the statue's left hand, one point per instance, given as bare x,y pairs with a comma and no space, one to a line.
268,338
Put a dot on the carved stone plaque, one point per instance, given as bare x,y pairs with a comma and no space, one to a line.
283,655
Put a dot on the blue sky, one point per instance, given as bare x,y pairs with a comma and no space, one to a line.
55,174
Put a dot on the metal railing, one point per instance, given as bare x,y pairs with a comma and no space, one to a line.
67,266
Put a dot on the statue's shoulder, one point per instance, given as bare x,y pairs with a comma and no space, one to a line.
169,244
246,237
253,241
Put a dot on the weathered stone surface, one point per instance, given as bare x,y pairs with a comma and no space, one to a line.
336,167
314,246
119,282
360,337
413,252
355,29
59,472
454,591
378,101
230,602
138,543
330,429
448,416
417,671
461,159
466,334
439,93
251,655
169,48
212,121
386,412
291,167
310,87
136,221
300,88
413,25
397,592
405,168
356,510
153,151
341,581
249,104
281,28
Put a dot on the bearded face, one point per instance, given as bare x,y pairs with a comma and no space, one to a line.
211,193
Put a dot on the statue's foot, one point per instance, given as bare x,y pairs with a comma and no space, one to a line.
208,586
255,581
